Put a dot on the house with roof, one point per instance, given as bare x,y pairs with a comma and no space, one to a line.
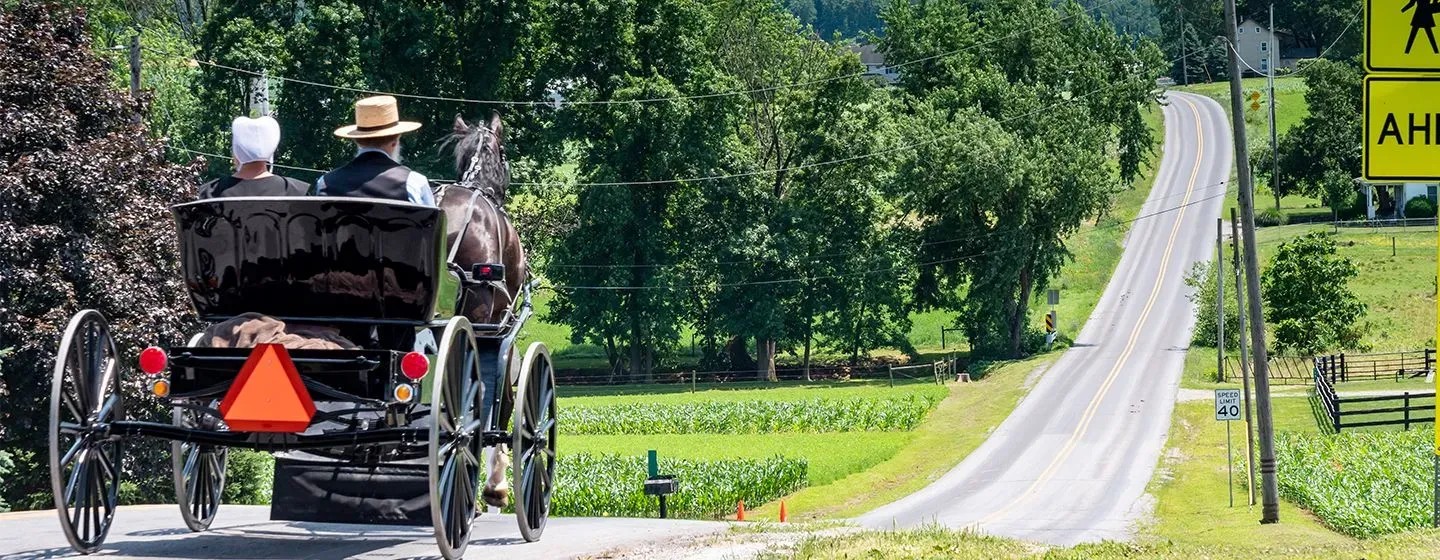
1256,43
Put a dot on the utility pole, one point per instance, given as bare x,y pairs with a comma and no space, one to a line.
134,66
1244,364
1219,300
1269,491
1274,142
1184,56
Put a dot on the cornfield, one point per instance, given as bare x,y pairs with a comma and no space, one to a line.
750,417
613,485
1363,484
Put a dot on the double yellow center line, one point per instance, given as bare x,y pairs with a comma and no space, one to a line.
1089,415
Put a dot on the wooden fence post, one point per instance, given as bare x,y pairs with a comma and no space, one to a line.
890,371
1407,411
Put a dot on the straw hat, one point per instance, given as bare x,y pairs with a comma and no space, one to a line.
375,117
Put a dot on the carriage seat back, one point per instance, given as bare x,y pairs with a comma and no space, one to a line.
326,259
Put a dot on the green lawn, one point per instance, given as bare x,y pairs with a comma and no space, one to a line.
957,426
1290,110
830,455
1398,290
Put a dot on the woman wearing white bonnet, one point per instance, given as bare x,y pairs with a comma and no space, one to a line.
252,147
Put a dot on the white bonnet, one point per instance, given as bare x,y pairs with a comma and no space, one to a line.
254,139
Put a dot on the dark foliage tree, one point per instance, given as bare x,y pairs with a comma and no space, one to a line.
84,193
1320,157
1308,301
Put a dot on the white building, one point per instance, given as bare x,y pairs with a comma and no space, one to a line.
1255,43
874,62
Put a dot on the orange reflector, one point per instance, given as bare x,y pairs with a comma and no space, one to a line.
160,388
268,395
403,393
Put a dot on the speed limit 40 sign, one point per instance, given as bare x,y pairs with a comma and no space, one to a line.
1227,404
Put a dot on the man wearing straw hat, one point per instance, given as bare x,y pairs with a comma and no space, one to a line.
376,171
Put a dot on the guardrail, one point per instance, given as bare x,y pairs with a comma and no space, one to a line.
1412,409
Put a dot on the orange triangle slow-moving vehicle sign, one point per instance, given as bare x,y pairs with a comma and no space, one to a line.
268,395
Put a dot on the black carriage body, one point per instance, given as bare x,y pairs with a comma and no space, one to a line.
317,259
329,375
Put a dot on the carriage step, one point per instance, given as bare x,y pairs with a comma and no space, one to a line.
331,492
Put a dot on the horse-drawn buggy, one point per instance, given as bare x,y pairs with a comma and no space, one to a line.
387,421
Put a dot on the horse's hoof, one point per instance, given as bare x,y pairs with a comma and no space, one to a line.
493,497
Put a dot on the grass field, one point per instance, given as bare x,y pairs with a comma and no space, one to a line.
1398,290
1291,108
957,426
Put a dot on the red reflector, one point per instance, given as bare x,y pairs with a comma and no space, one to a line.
153,360
485,271
414,365
268,395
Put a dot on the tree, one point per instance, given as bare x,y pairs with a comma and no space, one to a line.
1308,302
1320,157
1027,125
84,194
1201,279
628,239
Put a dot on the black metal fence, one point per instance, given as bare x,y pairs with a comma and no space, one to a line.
1297,370
1404,409
1392,366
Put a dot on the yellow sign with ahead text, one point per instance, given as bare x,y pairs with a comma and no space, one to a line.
1402,128
1400,36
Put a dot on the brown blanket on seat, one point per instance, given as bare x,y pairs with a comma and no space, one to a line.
250,329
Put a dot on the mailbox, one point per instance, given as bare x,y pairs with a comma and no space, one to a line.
661,485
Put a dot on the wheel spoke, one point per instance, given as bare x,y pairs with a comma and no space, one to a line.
468,456
70,454
108,407
546,426
74,407
73,485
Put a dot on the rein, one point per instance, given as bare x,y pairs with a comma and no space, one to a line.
467,182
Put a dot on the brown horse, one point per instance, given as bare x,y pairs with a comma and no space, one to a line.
477,205
480,232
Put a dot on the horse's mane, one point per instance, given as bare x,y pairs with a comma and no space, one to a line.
466,140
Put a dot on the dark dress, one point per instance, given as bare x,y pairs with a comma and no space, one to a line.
273,185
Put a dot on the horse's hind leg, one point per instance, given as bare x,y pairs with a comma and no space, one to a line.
497,486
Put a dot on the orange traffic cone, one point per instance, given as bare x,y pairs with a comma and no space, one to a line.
740,511
782,511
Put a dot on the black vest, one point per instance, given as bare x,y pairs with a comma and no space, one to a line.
369,175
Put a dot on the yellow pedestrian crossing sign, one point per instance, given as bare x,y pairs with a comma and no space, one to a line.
1400,36
1402,128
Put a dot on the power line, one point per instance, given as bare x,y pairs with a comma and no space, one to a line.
826,256
694,287
772,171
1271,73
533,103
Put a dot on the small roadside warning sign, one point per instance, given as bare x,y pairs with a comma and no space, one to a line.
1050,322
1402,128
1400,36
1227,404
1052,296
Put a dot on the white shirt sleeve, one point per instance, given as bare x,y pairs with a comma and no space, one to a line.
418,187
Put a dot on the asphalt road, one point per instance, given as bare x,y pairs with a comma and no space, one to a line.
1071,463
245,532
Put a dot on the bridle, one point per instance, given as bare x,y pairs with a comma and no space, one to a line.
467,182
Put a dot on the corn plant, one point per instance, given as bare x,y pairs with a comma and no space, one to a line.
1364,484
613,485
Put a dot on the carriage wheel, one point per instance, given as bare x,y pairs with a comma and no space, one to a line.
534,442
84,458
198,470
456,435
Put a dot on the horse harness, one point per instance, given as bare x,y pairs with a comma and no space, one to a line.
467,182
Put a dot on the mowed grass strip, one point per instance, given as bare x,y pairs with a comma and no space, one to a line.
750,417
745,391
957,426
830,456
1192,517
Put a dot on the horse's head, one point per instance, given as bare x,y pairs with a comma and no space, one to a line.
480,155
